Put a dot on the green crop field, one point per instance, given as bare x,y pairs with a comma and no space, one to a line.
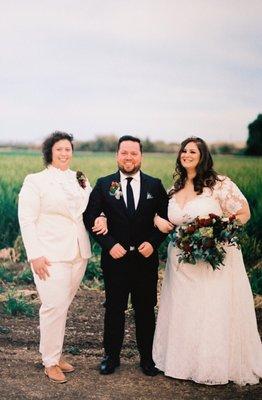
246,172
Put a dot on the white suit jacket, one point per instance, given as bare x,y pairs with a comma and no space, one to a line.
48,227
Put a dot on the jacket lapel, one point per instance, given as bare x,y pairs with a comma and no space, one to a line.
120,202
143,191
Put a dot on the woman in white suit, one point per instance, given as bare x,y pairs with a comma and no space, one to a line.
51,203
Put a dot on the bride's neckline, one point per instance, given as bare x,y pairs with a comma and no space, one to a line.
182,206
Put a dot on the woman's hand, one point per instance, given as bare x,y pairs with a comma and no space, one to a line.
163,225
100,226
40,267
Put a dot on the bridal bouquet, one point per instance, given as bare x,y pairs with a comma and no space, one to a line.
204,238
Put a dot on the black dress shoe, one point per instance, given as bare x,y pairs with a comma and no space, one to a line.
149,369
108,365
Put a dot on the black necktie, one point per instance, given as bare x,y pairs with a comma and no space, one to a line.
130,202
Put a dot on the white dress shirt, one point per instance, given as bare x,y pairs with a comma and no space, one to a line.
135,184
70,187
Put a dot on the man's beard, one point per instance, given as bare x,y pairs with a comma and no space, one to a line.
134,170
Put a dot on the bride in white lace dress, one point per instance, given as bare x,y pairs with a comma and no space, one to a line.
206,328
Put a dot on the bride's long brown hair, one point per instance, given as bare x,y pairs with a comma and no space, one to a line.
206,176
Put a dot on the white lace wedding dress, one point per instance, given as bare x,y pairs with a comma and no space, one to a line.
206,328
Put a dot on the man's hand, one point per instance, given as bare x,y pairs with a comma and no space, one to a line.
100,226
146,249
117,251
40,267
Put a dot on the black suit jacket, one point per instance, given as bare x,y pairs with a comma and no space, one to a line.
128,231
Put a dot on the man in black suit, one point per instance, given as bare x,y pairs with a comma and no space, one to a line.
129,200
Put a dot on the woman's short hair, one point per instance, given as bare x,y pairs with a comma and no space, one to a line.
49,143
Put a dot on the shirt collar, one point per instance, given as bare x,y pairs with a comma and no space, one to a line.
58,171
135,176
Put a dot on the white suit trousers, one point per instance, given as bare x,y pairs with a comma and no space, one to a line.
56,294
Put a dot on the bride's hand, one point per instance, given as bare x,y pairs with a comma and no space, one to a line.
100,226
163,225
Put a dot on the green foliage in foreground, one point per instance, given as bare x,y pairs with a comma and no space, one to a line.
16,306
6,275
25,276
74,350
255,277
93,270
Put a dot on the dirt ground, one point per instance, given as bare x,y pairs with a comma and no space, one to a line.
22,377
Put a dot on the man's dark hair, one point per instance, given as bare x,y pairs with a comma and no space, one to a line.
49,143
129,137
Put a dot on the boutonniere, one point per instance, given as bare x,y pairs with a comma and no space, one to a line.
115,190
149,196
81,179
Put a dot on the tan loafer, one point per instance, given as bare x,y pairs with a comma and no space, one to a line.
65,366
55,374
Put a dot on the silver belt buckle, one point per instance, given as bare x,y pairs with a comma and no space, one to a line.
132,248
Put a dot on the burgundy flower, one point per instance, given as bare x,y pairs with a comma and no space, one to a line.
204,222
186,247
81,179
115,190
214,216
191,229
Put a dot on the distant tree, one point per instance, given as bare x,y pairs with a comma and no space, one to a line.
161,146
104,143
82,146
164,147
226,148
213,149
148,146
254,141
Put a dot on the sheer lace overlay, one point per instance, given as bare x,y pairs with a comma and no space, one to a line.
206,327
229,196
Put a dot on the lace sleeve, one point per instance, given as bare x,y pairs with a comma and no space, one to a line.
230,197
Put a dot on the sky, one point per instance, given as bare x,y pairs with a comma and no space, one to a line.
157,69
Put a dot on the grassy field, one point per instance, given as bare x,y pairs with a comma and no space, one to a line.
18,297
246,172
